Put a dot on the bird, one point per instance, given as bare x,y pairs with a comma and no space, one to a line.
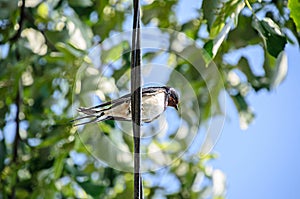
155,100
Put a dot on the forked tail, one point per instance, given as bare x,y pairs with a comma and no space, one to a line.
94,115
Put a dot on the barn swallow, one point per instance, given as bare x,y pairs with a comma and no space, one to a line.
154,102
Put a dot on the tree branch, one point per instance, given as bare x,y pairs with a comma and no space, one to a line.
18,102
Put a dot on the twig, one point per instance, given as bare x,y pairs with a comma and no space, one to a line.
18,102
250,8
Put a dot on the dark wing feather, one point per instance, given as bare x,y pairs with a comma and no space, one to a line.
124,98
153,90
80,118
116,101
96,119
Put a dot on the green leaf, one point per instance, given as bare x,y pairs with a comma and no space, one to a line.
59,164
112,54
80,3
240,102
244,34
245,113
226,16
271,34
43,10
243,65
217,12
191,28
218,40
280,71
80,34
209,11
51,140
92,189
294,6
57,36
7,8
160,10
22,193
269,65
70,51
208,47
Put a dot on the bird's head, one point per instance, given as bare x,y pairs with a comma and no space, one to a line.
173,98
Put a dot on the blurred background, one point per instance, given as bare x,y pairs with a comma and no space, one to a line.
262,162
234,64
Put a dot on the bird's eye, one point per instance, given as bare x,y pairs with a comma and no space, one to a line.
174,97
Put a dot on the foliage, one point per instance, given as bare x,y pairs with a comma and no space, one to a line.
45,43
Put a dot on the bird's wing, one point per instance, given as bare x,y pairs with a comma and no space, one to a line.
95,113
152,91
124,98
112,102
94,120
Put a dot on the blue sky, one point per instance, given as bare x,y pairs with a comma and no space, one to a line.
263,161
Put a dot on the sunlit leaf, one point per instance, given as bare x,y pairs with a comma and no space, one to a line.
217,12
43,10
59,164
36,41
69,51
222,23
112,54
80,33
294,6
220,38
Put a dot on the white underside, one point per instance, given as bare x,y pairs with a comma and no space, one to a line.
152,107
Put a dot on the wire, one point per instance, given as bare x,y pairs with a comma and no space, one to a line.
136,97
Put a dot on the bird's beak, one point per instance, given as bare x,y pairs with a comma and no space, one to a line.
176,107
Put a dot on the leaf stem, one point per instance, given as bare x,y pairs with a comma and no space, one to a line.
250,7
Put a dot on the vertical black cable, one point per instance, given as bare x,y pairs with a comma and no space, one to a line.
136,97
